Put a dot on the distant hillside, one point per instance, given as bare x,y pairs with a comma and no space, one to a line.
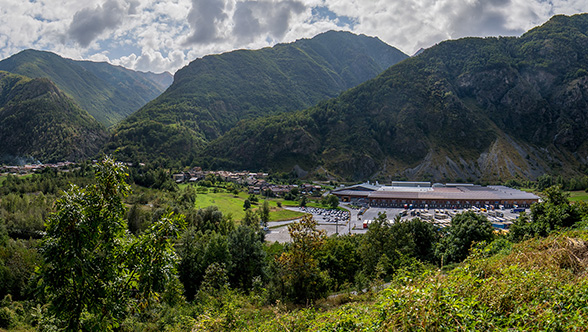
210,95
468,109
38,121
109,93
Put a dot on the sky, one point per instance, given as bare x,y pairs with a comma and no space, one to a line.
157,36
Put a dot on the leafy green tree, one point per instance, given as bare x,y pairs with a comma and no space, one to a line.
265,212
247,256
253,198
246,205
332,201
198,251
521,229
555,212
375,243
544,181
210,218
419,238
250,219
212,178
303,201
137,219
18,259
300,272
187,196
95,273
340,257
215,285
465,229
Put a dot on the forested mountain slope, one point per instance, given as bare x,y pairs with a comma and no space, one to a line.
109,93
211,94
490,109
39,121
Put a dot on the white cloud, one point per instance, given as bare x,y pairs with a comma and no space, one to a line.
89,23
167,34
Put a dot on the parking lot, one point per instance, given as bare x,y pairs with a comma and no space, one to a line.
336,222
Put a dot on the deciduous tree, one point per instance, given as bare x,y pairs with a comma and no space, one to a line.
95,271
465,229
300,272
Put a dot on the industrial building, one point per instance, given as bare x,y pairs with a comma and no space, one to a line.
424,195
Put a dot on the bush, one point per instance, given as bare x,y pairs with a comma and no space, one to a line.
6,317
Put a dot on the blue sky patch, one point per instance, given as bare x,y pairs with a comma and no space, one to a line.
321,13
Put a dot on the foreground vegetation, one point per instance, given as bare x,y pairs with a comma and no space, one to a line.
110,256
539,284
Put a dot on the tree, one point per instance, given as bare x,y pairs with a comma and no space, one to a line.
18,259
465,229
376,243
544,181
198,251
250,219
332,201
555,212
247,256
95,272
303,201
253,199
340,257
246,205
300,273
420,238
210,218
265,212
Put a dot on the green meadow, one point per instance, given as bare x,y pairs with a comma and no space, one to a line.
578,196
229,203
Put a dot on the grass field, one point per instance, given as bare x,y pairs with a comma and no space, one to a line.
578,196
231,204
575,196
3,177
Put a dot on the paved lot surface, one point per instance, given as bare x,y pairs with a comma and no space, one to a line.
279,230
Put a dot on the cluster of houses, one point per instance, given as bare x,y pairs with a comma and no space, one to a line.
277,190
255,182
27,169
197,174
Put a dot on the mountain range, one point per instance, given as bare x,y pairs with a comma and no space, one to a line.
109,93
351,107
212,94
467,109
40,122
